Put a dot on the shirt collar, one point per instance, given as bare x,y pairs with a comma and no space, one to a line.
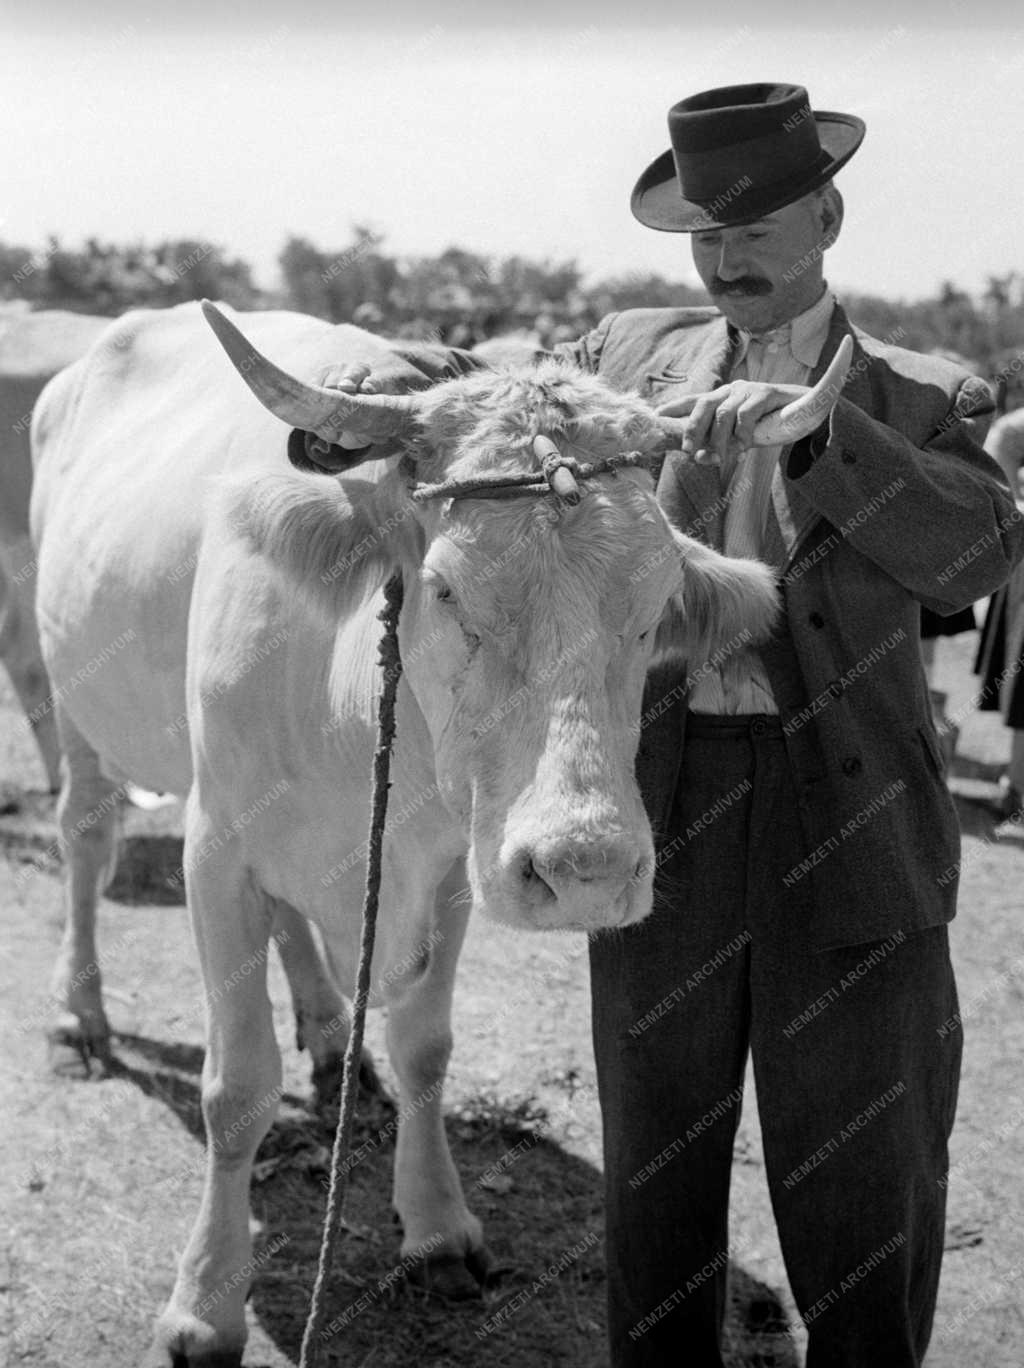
804,336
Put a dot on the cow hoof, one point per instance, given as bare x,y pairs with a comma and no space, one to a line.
452,1277
190,1344
71,1053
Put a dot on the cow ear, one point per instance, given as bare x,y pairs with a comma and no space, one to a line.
331,541
726,604
307,451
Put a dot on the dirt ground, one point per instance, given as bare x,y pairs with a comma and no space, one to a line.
100,1179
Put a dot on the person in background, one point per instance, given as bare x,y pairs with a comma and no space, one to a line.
934,626
1000,660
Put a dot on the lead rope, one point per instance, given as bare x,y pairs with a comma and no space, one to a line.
388,656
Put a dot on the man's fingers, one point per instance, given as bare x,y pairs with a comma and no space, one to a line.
749,412
349,380
354,379
678,408
725,421
351,377
723,427
700,420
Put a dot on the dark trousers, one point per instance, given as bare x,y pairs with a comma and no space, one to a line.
856,1082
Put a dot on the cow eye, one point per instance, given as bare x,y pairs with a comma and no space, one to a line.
443,593
644,635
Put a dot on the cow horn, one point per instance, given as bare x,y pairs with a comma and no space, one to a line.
798,419
313,408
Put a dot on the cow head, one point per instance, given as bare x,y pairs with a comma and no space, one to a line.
529,623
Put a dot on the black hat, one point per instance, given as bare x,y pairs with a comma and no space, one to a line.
739,153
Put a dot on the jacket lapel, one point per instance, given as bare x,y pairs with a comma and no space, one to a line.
691,495
791,515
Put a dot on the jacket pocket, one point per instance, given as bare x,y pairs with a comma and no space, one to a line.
668,375
661,383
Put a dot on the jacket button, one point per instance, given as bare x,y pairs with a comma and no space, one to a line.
852,765
848,458
816,621
834,688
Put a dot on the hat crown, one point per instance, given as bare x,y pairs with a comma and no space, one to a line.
729,140
732,114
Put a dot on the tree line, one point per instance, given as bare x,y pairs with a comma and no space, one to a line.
463,297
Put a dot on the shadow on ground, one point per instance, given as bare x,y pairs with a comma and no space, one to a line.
540,1206
148,871
149,849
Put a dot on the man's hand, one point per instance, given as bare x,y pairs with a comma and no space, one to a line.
350,380
724,421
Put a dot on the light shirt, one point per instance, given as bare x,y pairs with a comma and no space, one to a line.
784,356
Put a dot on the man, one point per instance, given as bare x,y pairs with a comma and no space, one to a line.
809,848
807,845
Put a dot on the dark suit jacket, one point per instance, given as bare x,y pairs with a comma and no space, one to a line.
893,503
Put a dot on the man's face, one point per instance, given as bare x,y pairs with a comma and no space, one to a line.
765,273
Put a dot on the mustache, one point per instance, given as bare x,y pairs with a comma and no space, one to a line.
742,285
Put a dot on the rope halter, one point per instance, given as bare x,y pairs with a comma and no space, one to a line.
559,475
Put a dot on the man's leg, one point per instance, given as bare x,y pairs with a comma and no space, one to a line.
857,1074
670,1015
857,1104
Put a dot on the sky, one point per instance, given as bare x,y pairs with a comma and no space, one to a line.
512,128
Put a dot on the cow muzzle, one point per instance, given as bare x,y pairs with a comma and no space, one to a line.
553,883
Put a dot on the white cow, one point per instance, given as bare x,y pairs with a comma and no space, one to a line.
164,506
33,348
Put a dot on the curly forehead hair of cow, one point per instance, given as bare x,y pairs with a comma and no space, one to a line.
486,421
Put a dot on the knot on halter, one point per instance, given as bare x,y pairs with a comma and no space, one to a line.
559,471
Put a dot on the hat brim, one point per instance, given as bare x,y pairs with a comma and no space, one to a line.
657,202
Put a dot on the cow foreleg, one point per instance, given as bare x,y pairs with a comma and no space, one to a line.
87,817
204,1323
428,1194
322,1012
